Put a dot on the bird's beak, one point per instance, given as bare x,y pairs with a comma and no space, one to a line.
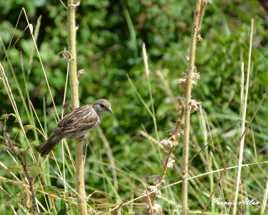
110,110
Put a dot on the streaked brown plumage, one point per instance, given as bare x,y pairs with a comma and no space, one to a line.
76,123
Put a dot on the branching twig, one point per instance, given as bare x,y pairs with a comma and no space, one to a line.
167,145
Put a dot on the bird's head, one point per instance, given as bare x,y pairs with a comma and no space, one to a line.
102,106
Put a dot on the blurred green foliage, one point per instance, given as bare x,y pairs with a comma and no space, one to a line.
109,40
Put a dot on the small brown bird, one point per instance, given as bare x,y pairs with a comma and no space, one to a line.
77,123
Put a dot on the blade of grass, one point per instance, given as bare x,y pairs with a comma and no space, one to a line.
244,98
265,197
42,65
131,28
147,72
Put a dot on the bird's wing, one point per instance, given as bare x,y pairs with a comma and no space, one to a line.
83,117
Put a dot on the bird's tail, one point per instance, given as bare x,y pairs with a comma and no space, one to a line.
45,148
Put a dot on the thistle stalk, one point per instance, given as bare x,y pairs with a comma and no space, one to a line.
200,8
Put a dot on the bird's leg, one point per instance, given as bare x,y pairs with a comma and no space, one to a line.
81,138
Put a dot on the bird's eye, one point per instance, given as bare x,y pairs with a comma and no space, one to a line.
103,106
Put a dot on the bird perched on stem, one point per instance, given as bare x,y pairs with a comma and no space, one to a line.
76,123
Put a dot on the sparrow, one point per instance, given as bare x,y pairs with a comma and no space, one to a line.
76,124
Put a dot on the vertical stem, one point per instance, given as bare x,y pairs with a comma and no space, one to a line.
243,119
72,50
265,197
80,183
80,177
200,6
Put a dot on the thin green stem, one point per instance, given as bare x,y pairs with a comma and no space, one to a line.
244,98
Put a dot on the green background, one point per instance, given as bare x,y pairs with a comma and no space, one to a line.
109,40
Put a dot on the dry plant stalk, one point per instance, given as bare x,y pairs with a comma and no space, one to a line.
168,145
200,9
80,161
184,107
244,97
